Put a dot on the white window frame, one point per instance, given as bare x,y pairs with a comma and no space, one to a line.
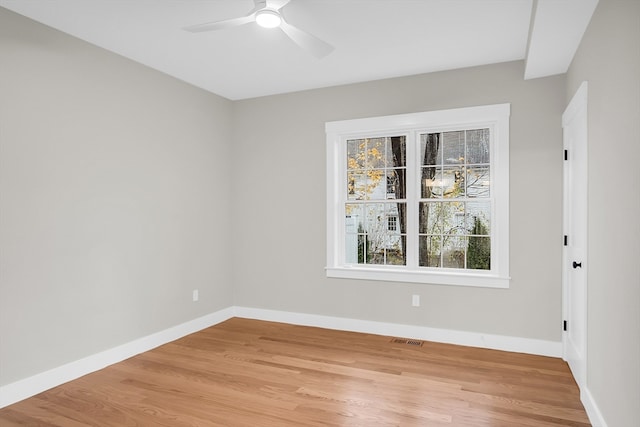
496,118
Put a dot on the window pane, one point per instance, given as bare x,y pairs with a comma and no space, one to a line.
354,233
377,256
376,186
431,182
452,217
397,212
453,252
353,254
430,251
458,222
396,243
374,213
356,174
478,181
376,148
354,212
356,185
430,150
364,254
395,250
453,147
478,217
391,216
453,182
376,229
430,218
396,154
396,185
392,183
478,146
355,153
479,253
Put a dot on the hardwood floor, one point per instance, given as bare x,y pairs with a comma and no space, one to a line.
252,373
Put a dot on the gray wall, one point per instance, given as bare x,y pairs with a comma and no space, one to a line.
278,197
609,59
113,204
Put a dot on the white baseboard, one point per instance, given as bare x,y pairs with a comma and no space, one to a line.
22,389
593,412
472,339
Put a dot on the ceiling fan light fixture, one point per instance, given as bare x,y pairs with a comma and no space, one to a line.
268,18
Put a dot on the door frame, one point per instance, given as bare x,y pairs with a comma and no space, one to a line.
577,109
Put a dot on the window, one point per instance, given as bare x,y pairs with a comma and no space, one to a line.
420,197
392,223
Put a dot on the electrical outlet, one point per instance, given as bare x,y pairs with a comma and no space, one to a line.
415,300
196,296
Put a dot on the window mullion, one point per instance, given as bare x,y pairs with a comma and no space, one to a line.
413,151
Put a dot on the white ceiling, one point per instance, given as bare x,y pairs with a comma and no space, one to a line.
373,39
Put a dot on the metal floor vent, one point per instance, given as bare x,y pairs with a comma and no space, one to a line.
417,343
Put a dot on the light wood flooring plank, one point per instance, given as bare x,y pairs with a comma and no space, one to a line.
252,373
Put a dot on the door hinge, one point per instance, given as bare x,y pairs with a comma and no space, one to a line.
566,154
564,325
566,240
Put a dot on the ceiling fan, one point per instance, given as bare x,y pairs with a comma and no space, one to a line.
267,13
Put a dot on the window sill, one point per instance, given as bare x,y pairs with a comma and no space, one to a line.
428,277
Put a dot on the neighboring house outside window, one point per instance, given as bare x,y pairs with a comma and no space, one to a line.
420,197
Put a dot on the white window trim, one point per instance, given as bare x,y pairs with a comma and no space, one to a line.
494,116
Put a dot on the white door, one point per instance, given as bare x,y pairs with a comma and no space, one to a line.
574,254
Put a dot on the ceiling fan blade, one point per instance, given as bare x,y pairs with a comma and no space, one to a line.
276,4
317,47
220,25
228,23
